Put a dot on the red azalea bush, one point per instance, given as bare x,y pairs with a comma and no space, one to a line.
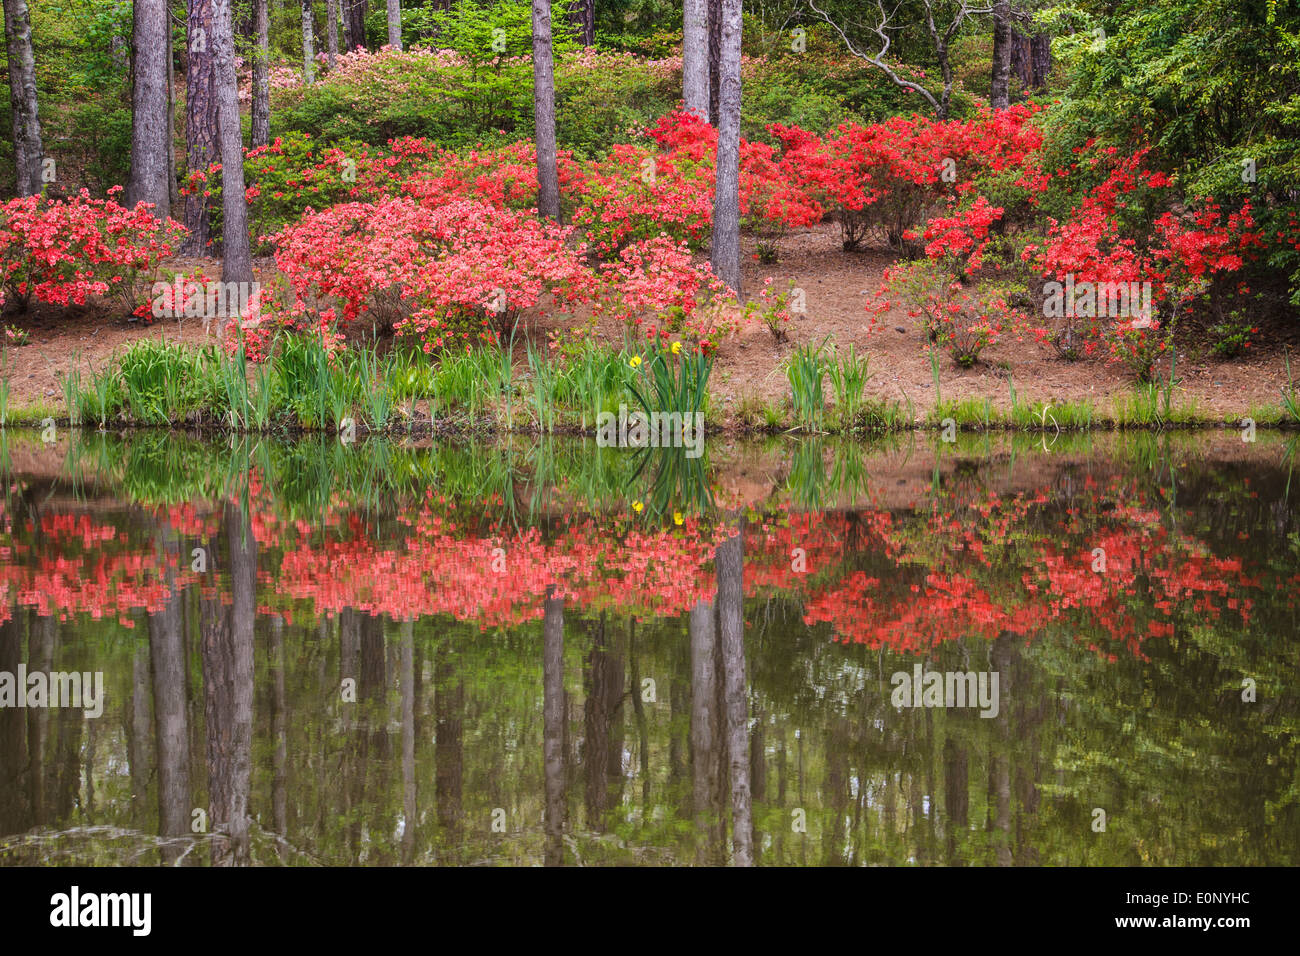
964,319
637,192
458,271
1118,238
63,251
658,277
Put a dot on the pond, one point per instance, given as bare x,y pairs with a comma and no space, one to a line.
1005,650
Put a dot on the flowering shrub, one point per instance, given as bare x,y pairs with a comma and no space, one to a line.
963,319
1118,238
63,251
460,271
658,277
772,309
637,193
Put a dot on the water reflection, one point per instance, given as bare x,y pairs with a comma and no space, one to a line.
562,655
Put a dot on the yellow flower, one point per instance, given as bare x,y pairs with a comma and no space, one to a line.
637,506
677,348
634,361
677,517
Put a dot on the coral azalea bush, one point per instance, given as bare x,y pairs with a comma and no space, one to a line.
64,251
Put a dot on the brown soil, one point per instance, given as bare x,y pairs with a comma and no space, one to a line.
838,286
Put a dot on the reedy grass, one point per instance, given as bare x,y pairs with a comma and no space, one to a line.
805,370
1290,400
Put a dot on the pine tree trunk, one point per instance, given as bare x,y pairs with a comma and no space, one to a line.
395,24
548,179
22,97
354,20
237,262
1000,87
553,727
173,188
714,19
1031,58
261,129
332,31
201,135
308,51
148,180
729,560
724,253
582,14
695,57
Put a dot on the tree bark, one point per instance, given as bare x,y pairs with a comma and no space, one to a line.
1031,58
308,44
714,20
354,23
395,24
553,727
201,136
406,691
167,664
173,188
22,97
548,176
228,676
237,261
724,252
148,179
582,14
695,57
704,719
332,31
261,127
1000,87
729,561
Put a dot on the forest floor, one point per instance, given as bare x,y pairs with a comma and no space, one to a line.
838,286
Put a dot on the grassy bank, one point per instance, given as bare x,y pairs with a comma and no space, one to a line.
302,388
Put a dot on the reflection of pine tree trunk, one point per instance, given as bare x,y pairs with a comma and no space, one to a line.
40,639
781,774
1000,771
406,691
837,791
171,721
642,727
448,703
69,756
228,695
553,720
679,711
956,794
1027,720
603,747
138,738
704,721
374,738
280,731
729,562
15,811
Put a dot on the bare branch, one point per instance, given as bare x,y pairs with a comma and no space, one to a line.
877,59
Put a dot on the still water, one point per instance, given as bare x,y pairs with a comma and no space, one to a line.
556,654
